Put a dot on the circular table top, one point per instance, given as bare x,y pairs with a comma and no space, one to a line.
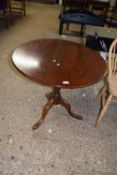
59,63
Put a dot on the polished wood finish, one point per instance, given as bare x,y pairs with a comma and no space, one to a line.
59,64
55,98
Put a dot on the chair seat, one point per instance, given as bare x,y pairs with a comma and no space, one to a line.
112,83
81,17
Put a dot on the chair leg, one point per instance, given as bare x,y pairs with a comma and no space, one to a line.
60,28
24,7
103,98
101,91
67,26
10,12
103,94
6,18
82,30
103,110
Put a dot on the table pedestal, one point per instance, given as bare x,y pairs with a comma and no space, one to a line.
55,98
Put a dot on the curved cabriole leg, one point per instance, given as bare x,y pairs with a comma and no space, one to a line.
44,114
54,98
67,106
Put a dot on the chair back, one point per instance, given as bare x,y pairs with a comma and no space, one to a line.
112,60
79,4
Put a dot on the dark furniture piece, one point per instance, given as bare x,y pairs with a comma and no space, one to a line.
98,43
71,4
3,4
84,12
6,13
77,16
59,64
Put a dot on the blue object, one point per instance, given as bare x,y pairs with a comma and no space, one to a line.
77,16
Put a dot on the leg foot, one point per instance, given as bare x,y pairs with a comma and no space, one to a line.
44,114
67,106
103,110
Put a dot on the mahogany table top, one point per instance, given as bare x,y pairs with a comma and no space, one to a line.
59,63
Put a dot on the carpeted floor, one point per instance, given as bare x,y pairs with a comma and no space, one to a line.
62,145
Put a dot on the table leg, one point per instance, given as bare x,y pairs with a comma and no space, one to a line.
54,98
67,106
46,108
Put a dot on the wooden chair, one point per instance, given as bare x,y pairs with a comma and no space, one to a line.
102,7
109,89
18,6
80,17
73,4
